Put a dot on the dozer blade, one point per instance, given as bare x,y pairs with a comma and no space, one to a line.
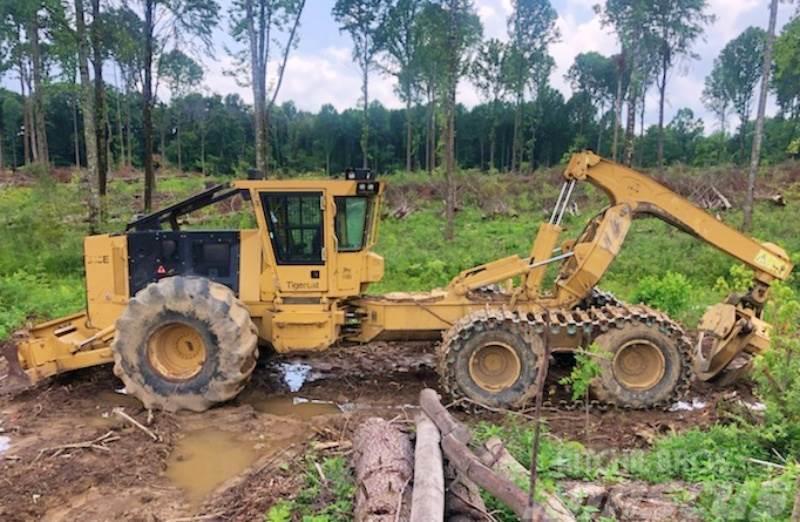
15,379
54,347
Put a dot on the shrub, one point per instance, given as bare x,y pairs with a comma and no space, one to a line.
670,293
777,372
739,279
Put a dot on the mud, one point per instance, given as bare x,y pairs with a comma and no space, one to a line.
234,461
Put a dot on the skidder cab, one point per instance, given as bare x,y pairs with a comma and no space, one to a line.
169,305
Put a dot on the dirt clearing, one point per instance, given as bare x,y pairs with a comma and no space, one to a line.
65,455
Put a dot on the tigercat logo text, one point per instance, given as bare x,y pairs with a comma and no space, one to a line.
294,285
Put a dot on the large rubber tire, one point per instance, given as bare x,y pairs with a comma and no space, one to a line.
219,319
477,331
674,367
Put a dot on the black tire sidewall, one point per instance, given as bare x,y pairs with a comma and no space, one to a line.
215,313
511,396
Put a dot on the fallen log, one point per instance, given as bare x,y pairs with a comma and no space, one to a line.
500,460
427,497
462,500
382,458
455,437
430,404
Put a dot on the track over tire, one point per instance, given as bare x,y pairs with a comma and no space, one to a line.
646,367
491,357
184,343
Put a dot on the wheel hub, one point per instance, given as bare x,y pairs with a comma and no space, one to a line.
495,367
177,351
639,365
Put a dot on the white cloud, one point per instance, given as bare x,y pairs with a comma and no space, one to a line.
578,38
311,81
322,69
494,15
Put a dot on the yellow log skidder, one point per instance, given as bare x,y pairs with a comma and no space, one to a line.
181,313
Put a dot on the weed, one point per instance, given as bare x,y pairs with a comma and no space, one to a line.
327,495
586,369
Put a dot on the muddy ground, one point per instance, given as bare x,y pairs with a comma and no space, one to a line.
65,454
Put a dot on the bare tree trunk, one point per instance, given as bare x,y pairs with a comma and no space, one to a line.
743,136
493,136
365,120
147,112
430,140
600,129
642,110
409,133
281,71
259,39
430,145
662,91
99,100
516,145
617,110
755,156
128,124
26,123
450,165
630,130
162,131
203,148
39,125
29,107
178,137
121,159
77,143
87,105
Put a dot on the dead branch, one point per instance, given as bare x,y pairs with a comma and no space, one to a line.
120,413
98,444
455,437
501,461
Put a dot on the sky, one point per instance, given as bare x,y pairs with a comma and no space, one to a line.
321,69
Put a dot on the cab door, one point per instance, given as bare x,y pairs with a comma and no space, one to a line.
296,228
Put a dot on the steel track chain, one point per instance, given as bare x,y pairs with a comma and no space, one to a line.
590,322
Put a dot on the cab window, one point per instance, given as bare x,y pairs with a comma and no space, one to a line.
352,217
295,226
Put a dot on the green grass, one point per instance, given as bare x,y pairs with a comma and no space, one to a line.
327,494
721,460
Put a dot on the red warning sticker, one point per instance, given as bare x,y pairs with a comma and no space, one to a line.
161,270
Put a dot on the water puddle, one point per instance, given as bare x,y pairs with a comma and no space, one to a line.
696,404
204,459
294,407
295,375
5,443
